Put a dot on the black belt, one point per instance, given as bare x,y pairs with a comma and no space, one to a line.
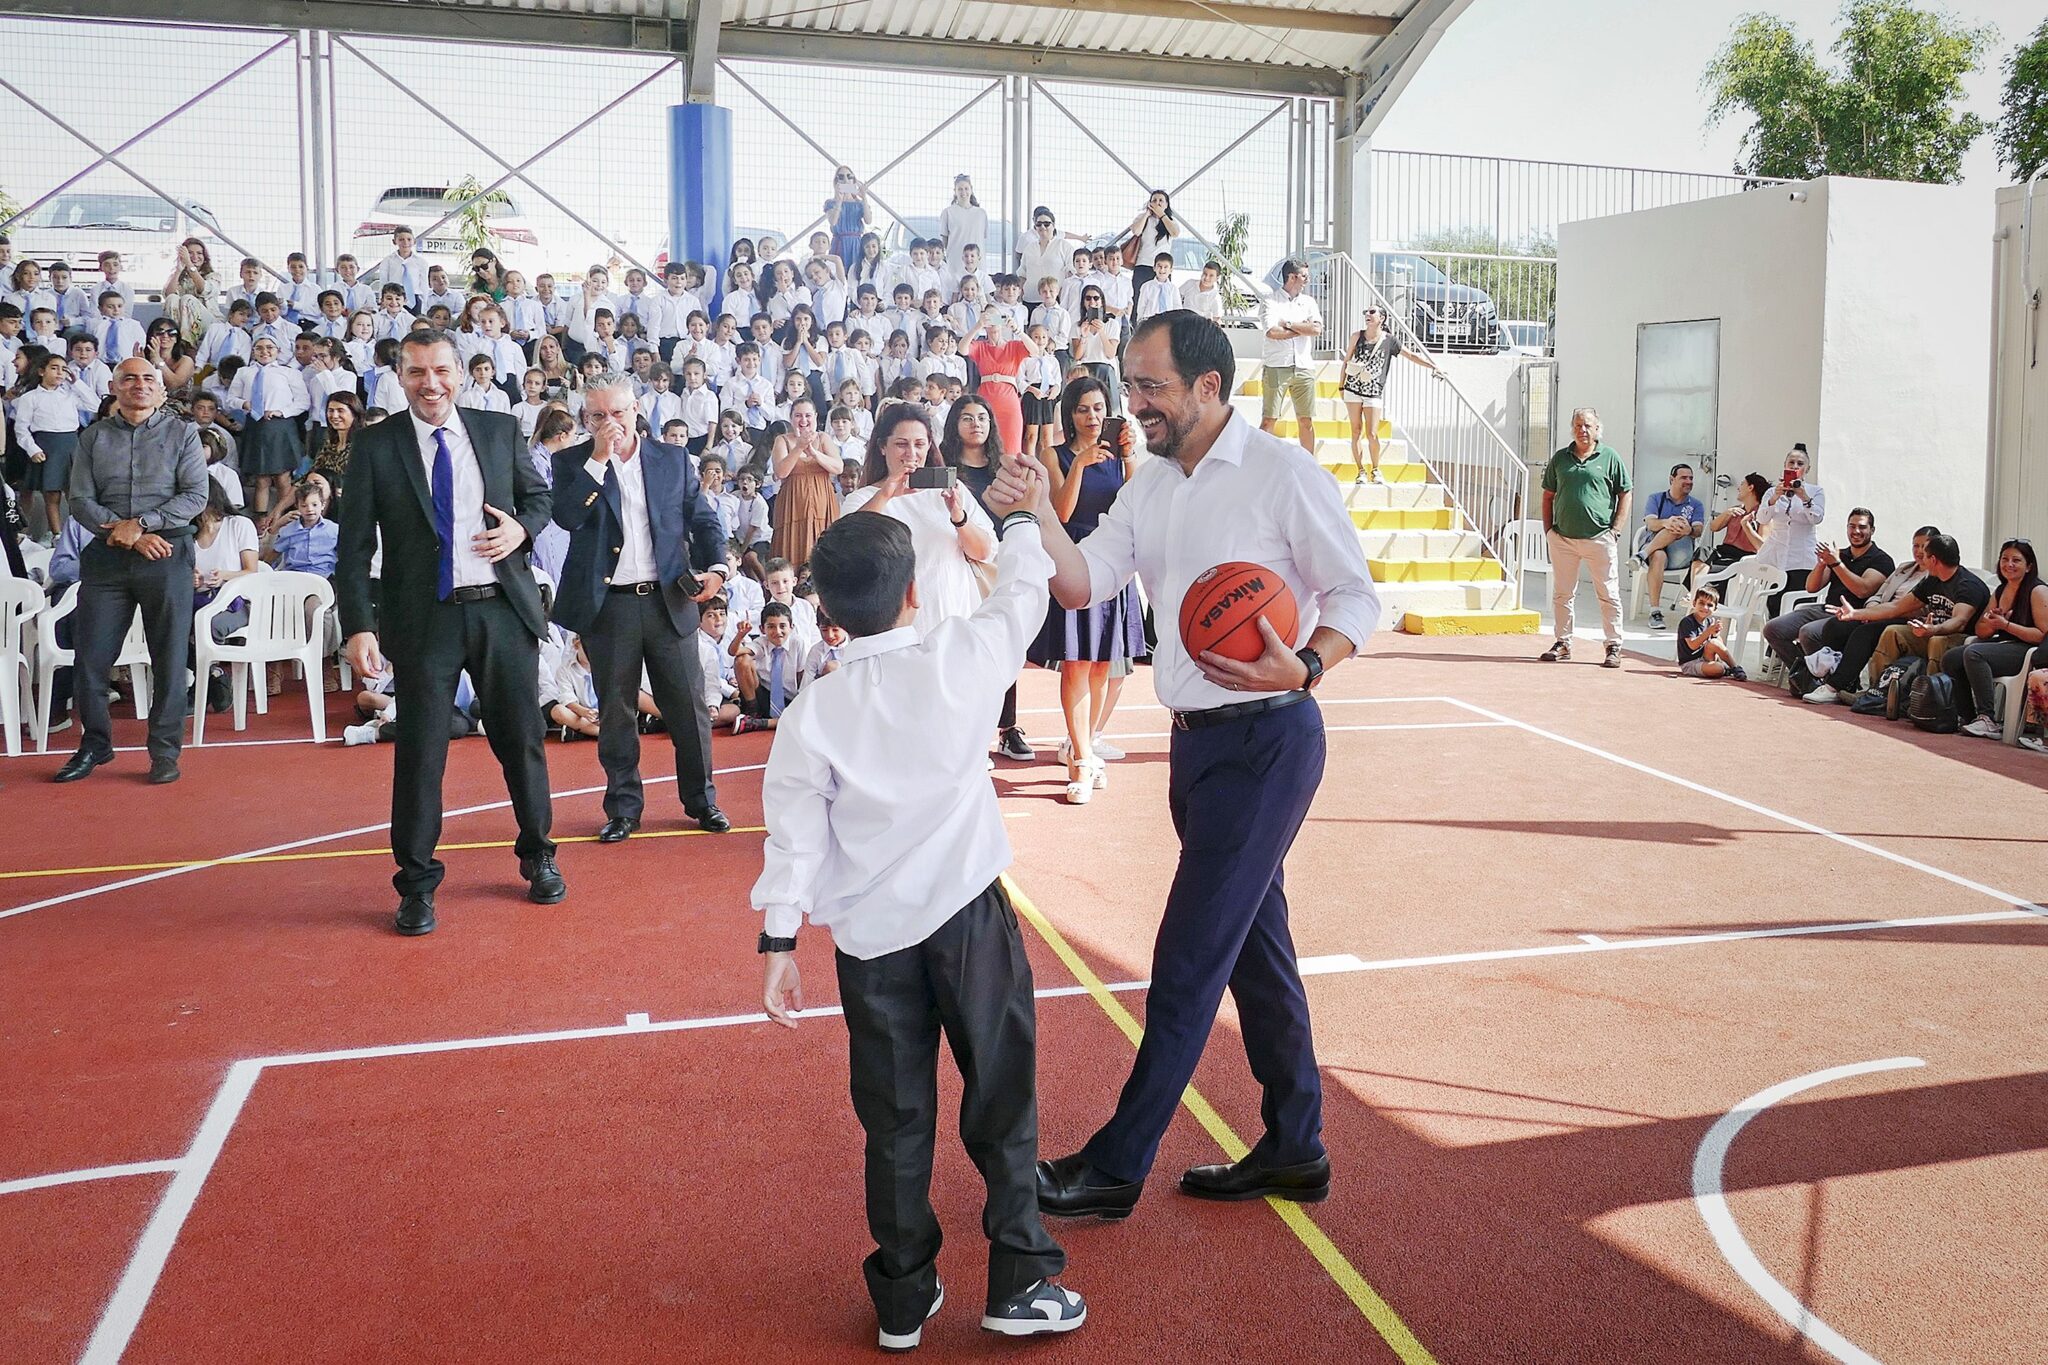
1244,710
636,589
474,594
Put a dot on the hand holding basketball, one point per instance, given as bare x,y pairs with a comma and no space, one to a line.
1238,622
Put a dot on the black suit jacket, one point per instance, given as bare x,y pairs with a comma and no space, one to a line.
387,491
688,537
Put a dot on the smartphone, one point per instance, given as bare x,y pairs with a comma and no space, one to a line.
1113,433
1791,476
934,476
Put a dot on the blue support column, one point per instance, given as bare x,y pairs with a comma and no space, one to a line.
700,185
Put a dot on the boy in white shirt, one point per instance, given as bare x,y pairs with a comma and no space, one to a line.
10,337
750,527
658,405
393,322
110,278
942,356
251,271
906,879
711,474
748,392
439,295
90,377
333,323
532,402
825,655
1078,278
904,317
761,331
828,296
526,317
922,275
120,336
1159,294
482,391
604,342
299,295
1052,315
403,267
74,306
696,406
1009,301
721,688
1204,295
226,339
270,323
867,315
358,295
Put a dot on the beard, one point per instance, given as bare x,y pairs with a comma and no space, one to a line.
1178,425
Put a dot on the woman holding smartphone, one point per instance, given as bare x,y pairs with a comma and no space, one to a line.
905,478
1788,515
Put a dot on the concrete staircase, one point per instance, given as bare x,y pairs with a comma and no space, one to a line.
1433,572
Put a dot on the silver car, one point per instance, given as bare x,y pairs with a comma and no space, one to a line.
75,227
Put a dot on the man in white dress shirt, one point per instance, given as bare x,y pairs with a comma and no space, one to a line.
1293,322
1247,756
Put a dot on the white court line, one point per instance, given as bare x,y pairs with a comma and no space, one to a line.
55,1178
189,748
1707,1193
1846,840
1591,938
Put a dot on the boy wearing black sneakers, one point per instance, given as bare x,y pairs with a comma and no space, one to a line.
883,828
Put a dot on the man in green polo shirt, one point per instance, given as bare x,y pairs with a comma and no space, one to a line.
1585,503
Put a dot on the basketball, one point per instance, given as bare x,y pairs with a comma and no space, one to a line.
1222,605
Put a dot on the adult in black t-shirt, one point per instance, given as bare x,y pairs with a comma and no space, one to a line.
1934,615
1848,575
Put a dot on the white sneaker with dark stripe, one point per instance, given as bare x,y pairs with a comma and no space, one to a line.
1045,1307
907,1341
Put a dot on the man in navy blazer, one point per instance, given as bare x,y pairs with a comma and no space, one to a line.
645,547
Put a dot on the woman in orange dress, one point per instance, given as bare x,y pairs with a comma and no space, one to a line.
998,352
808,502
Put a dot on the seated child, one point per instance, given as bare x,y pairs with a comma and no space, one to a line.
721,687
1700,651
768,667
905,875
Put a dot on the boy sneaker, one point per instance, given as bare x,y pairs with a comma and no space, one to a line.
1656,620
1821,695
1045,1307
898,1342
1985,728
1014,747
366,733
1105,750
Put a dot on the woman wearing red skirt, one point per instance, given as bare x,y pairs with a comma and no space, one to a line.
999,352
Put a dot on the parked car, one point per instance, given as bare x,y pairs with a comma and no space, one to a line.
421,206
1527,338
145,228
1442,312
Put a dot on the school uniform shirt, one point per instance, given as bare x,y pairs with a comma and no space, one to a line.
307,549
583,315
950,283
750,527
526,314
828,302
284,390
386,393
698,409
44,410
392,325
28,300
74,309
1116,289
962,316
1251,498
908,321
121,287
451,299
1015,313
242,293
301,300
1158,296
483,397
876,325
618,357
747,599
1207,302
231,486
506,357
739,389
560,311
529,417
736,453
652,310
922,278
119,338
284,335
222,340
410,272
714,665
10,347
360,297
1070,291
954,364
820,655
858,845
728,506
717,359
658,407
1041,374
324,384
894,368
840,366
781,305
334,329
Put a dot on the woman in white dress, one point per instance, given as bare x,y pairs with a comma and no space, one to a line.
947,526
963,221
1789,516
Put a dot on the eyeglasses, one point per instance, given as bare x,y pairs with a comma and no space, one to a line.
1043,222
1151,388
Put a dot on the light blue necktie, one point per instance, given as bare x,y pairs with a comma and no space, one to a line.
256,408
775,682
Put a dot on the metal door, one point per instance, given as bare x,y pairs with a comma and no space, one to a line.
1678,405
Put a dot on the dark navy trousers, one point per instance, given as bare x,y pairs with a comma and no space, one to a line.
1238,793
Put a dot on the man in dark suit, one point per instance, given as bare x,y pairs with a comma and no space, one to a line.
645,547
456,594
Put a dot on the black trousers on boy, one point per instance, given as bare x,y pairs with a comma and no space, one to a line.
971,979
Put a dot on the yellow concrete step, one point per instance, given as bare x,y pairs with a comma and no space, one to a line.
1499,622
1446,570
1254,387
1405,518
1327,428
1348,472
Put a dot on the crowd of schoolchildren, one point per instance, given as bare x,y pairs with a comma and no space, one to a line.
280,375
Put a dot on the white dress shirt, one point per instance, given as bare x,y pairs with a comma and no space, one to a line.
119,338
1158,296
483,398
284,390
653,311
526,314
882,821
636,550
451,299
1058,324
1789,528
699,410
1252,497
947,585
472,570
44,410
739,388
301,299
1297,352
221,341
1116,289
392,325
1207,302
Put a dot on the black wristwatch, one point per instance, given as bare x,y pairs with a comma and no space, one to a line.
768,944
1313,662
960,523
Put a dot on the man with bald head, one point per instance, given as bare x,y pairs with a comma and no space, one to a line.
455,595
138,480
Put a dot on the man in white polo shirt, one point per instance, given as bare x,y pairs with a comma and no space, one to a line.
1293,322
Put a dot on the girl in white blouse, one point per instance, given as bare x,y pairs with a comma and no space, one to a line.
46,425
962,221
274,397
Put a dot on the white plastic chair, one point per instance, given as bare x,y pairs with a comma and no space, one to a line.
1527,536
287,623
51,656
1639,574
35,558
1745,587
1772,668
2009,697
20,602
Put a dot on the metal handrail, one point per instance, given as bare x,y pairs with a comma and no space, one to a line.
1485,480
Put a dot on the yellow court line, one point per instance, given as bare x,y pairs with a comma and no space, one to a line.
346,853
1376,1310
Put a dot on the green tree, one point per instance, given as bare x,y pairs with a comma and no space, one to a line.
1233,237
1887,111
2022,134
473,223
8,208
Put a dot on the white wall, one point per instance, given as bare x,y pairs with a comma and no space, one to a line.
2018,439
1856,320
1905,367
1756,261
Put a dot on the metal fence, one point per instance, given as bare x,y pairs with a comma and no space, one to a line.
1447,202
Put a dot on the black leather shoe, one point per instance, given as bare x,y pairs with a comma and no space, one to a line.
162,770
617,829
1068,1187
1306,1183
713,821
80,764
415,916
544,884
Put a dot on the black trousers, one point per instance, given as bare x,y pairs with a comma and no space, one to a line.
502,658
112,584
1857,640
971,979
632,631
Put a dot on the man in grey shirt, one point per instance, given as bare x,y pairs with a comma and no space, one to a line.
137,482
